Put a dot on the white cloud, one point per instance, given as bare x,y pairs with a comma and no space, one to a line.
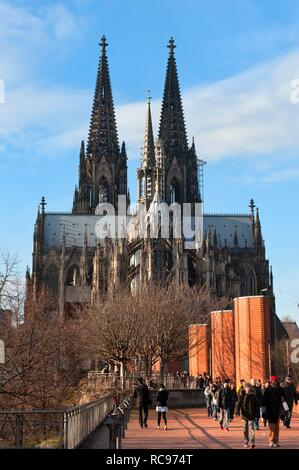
282,175
27,37
247,115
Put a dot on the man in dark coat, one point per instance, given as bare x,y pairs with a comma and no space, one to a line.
290,396
141,394
224,403
272,401
248,406
256,387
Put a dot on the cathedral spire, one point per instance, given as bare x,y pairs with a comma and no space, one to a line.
102,139
258,230
148,151
172,124
82,165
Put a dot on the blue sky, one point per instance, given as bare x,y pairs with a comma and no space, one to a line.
236,61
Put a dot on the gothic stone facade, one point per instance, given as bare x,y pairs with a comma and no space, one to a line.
77,267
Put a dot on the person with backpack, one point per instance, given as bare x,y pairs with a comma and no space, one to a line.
161,408
248,407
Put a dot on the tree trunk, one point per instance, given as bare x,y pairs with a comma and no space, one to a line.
122,375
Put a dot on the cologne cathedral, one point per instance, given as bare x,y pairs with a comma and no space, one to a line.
77,267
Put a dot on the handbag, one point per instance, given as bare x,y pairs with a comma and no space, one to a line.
285,406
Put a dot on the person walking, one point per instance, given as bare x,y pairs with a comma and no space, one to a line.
224,402
233,402
266,385
272,401
247,406
214,392
290,396
209,397
161,408
142,396
258,393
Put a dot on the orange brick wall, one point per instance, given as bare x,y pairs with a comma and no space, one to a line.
198,349
252,334
223,344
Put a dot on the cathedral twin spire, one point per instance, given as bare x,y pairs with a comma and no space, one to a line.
103,167
172,129
102,137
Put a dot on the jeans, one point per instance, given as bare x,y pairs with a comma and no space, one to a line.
249,433
143,419
288,417
224,417
214,411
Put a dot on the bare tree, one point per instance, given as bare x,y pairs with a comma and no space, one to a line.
41,360
151,325
111,329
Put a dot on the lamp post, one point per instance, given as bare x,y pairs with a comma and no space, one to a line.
267,292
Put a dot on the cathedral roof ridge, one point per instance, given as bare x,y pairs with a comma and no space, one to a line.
226,214
60,213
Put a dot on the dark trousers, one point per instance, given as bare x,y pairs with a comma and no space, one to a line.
143,414
164,417
288,417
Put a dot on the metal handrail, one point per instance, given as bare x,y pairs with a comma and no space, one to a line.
53,428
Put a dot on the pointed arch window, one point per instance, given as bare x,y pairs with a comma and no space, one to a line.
103,190
52,278
72,278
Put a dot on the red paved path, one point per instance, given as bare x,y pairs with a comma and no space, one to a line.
191,428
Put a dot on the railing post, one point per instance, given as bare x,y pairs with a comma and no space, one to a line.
66,431
19,431
62,430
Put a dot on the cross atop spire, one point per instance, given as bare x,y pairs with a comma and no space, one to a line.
43,204
171,46
103,43
252,206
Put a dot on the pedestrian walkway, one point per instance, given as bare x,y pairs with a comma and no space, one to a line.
191,428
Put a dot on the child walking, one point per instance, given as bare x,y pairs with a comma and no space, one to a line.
161,407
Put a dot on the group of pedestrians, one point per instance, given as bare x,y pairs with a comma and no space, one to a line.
269,403
272,402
